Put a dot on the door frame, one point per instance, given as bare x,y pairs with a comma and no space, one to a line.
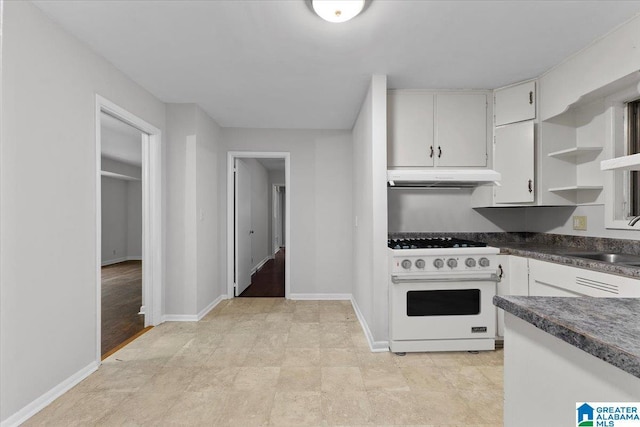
274,193
231,157
151,215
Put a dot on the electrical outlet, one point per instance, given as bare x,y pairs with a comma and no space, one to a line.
580,222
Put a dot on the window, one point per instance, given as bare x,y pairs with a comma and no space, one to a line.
622,138
633,147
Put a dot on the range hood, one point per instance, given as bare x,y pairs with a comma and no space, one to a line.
441,178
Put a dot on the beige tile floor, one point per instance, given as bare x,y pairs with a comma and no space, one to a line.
283,363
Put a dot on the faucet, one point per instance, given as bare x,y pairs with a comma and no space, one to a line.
634,220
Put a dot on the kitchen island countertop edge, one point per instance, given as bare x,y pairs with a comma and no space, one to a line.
607,328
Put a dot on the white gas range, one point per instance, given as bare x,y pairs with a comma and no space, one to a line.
440,296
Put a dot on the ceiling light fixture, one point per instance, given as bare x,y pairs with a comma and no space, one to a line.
337,10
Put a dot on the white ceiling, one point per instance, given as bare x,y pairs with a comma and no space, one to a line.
120,141
274,64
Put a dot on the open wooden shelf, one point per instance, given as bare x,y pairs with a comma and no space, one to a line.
576,188
575,152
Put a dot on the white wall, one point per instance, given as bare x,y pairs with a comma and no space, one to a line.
370,288
134,220
447,211
192,281
559,220
207,199
320,209
47,207
114,220
180,281
121,213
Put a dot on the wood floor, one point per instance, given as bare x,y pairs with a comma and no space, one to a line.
121,301
269,280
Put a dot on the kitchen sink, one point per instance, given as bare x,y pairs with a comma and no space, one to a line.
626,259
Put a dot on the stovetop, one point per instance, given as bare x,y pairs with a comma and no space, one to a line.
433,243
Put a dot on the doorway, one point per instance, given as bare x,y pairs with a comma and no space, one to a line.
128,228
121,193
257,268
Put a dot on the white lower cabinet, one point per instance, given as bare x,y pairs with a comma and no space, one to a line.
550,279
514,280
532,277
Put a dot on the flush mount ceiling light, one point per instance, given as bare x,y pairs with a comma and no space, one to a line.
337,10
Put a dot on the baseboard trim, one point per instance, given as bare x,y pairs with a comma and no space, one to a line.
260,264
211,306
320,297
180,318
194,317
119,260
45,400
374,346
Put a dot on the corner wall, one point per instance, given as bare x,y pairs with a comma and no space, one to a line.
370,284
48,309
192,282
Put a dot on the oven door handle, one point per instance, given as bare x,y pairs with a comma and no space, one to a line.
492,278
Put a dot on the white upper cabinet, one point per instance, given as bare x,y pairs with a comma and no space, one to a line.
410,129
515,103
513,158
436,129
461,129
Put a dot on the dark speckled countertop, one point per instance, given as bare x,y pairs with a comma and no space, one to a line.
555,254
607,328
552,248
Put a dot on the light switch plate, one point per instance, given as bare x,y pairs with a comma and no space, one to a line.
580,222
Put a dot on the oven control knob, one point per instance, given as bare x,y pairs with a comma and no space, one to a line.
484,262
452,263
438,263
420,263
470,262
406,264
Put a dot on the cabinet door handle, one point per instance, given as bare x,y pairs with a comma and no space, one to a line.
439,152
530,97
530,186
431,154
501,271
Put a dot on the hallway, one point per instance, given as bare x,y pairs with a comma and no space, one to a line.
269,280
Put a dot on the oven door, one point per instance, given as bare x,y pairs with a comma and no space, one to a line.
442,308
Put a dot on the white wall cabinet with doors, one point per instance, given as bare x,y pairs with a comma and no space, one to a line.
515,103
437,129
513,157
513,148
514,280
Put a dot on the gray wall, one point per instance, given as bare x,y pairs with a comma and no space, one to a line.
48,330
121,213
368,178
448,210
192,270
209,286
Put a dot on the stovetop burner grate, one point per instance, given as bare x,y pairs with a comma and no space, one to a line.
433,243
